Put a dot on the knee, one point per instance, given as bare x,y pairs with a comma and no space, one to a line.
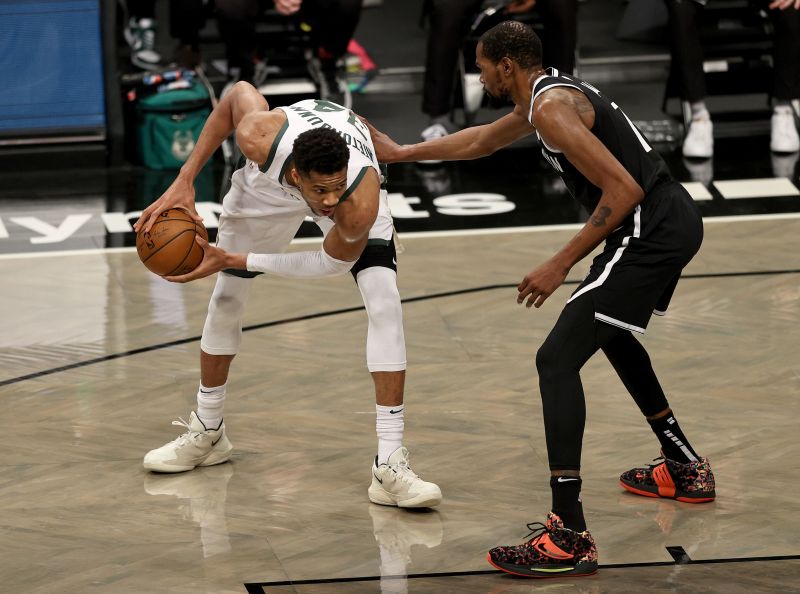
226,305
379,291
546,360
385,305
229,299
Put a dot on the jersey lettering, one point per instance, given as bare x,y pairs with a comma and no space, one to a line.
553,161
317,121
326,106
358,125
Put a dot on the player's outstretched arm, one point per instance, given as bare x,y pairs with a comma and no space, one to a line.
470,143
225,117
342,246
561,127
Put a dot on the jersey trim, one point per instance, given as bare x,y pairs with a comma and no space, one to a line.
618,323
286,164
271,157
355,183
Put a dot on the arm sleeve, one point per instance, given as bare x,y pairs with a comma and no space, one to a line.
298,264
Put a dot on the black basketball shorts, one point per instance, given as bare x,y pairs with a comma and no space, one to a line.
636,273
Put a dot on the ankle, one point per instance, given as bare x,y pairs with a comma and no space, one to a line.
567,503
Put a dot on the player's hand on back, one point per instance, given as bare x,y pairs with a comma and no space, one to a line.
385,148
180,194
214,260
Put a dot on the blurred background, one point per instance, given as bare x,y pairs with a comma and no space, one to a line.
102,101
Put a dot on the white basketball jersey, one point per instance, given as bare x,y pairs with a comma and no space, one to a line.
265,186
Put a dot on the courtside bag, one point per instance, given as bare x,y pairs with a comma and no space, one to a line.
169,123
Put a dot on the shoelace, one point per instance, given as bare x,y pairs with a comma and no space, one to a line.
403,470
537,530
189,435
658,462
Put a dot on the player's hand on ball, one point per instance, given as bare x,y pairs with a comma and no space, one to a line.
541,282
180,194
214,260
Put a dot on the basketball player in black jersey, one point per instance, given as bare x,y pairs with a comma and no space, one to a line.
651,228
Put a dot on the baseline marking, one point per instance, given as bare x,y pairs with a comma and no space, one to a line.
335,312
416,234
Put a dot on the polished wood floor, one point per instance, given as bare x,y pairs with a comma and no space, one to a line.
97,356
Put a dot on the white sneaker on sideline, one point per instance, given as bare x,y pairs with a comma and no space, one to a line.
699,141
394,483
436,130
784,137
197,447
141,37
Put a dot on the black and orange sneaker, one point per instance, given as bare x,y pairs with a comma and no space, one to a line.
554,551
691,483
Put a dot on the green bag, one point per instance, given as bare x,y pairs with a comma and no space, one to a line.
169,124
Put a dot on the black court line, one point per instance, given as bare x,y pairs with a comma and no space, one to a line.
258,587
336,312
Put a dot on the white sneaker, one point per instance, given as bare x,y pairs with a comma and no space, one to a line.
141,37
394,483
197,447
784,137
699,141
433,131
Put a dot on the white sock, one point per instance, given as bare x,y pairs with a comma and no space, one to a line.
389,427
209,405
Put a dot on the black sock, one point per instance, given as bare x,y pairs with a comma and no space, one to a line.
674,444
567,501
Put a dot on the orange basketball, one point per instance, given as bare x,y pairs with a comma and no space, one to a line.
169,248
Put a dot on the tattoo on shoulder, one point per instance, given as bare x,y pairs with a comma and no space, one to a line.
599,219
581,103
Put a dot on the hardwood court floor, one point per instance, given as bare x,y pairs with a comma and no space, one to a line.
98,356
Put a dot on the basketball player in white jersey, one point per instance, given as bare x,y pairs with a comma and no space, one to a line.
651,229
316,159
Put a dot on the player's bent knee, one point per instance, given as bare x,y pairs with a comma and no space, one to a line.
222,332
548,360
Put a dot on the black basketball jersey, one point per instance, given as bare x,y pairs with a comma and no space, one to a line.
614,129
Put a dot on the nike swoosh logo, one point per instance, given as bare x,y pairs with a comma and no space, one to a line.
213,443
394,412
376,478
561,479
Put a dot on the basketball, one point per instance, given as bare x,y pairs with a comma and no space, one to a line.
169,248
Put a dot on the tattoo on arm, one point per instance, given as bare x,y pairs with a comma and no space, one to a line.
599,219
581,103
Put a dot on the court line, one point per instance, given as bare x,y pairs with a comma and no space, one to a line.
415,235
371,578
325,314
